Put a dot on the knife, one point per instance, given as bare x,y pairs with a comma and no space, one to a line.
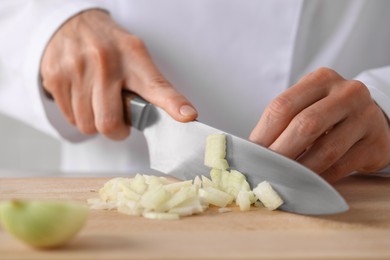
177,149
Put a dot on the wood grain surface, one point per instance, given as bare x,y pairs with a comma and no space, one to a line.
361,233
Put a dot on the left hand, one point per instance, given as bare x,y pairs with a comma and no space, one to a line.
327,123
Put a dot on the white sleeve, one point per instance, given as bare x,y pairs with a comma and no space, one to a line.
25,29
378,82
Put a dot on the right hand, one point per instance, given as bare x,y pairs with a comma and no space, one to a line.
88,62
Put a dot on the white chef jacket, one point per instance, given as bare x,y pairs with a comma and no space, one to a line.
229,57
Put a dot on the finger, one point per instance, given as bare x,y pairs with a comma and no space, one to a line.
174,103
143,77
286,106
57,86
62,97
308,125
330,147
82,108
352,160
108,110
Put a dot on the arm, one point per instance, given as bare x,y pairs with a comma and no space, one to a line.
329,124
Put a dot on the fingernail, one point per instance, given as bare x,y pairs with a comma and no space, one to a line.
187,110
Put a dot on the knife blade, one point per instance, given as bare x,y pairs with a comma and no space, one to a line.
177,149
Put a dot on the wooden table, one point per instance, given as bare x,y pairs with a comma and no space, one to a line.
361,233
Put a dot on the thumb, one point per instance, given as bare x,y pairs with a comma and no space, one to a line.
143,78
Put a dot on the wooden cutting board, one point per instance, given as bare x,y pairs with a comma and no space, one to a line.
361,233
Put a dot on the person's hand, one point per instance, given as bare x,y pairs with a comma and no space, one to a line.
88,62
327,123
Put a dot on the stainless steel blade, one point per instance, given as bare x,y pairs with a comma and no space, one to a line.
178,149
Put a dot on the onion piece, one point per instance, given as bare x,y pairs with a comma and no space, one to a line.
244,200
215,197
154,198
206,182
268,196
184,194
215,151
176,186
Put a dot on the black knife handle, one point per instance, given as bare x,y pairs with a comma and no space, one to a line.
135,109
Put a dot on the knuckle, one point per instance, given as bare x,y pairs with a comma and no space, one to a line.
309,124
357,89
86,127
324,74
172,99
74,64
340,168
329,153
133,43
70,118
109,125
279,108
52,81
105,61
99,53
158,83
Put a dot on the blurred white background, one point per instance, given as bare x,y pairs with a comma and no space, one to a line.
24,148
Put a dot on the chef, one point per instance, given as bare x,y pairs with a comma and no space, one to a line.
307,79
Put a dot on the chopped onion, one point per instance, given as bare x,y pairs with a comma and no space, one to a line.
216,175
244,200
215,151
268,196
206,182
188,208
154,198
184,194
197,183
175,186
215,197
157,198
